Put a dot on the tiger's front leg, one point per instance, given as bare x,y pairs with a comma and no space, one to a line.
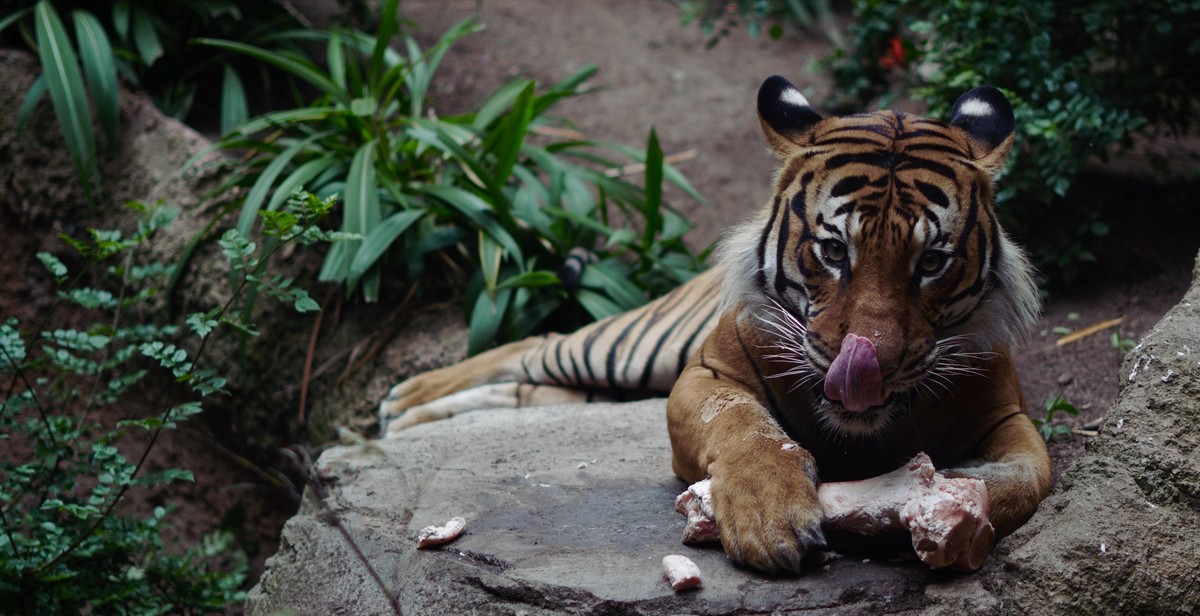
764,485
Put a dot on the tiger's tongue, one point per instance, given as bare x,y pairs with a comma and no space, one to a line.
854,377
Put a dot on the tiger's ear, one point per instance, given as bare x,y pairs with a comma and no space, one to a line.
987,117
784,114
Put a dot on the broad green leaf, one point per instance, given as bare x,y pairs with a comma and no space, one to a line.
361,213
234,109
596,304
490,256
562,89
381,238
511,135
145,36
499,102
535,278
653,189
478,211
67,92
601,276
486,317
300,67
335,60
100,68
388,26
121,19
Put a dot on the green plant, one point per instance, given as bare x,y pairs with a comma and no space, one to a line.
145,44
1122,344
498,192
66,544
1046,426
1083,78
718,17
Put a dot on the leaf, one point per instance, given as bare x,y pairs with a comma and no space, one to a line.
262,185
653,189
298,179
601,276
234,108
533,279
361,213
381,238
299,67
145,37
485,320
597,305
510,137
37,90
56,267
478,212
101,70
65,84
490,256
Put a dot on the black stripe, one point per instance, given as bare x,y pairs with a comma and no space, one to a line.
762,379
685,350
934,194
762,244
648,370
546,369
610,362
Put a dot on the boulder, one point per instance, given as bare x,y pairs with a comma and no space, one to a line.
569,509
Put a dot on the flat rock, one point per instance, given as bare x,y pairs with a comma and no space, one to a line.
568,509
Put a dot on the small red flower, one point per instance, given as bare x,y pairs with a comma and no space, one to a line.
894,58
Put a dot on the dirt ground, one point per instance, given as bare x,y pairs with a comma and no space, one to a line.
655,72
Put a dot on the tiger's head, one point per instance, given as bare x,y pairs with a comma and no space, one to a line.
879,267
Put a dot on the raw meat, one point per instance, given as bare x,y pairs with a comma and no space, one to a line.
437,535
681,572
946,517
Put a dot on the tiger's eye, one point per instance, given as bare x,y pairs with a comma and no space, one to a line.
931,262
834,251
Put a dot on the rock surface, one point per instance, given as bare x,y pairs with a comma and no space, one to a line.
569,510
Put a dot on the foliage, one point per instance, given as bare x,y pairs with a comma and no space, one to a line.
146,45
501,191
1083,78
718,17
1122,344
1046,426
67,546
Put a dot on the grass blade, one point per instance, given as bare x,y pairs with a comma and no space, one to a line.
596,304
234,109
490,256
14,17
67,92
101,70
478,212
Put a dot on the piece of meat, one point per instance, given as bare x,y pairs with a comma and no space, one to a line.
696,504
438,535
946,517
681,572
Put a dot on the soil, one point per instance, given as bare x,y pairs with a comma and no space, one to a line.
656,72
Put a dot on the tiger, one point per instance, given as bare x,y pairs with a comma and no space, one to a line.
863,315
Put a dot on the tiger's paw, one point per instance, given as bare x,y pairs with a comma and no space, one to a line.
768,511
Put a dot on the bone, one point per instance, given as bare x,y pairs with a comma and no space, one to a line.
437,535
681,573
946,517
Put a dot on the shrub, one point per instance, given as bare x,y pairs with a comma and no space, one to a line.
1083,78
68,429
500,192
146,45
718,17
